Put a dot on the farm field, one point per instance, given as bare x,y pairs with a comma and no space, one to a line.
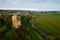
48,23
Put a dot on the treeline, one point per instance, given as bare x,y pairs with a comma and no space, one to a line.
30,12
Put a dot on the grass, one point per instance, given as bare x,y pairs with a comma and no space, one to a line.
51,24
32,33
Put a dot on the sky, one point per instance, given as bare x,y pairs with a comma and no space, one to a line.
31,4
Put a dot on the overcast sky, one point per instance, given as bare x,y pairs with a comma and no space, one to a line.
33,4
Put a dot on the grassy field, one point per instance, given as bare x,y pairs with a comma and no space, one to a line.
49,23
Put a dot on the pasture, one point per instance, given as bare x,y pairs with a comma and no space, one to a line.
49,23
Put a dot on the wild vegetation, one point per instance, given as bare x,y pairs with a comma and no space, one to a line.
37,26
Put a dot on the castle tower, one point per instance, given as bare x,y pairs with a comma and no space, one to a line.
16,21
